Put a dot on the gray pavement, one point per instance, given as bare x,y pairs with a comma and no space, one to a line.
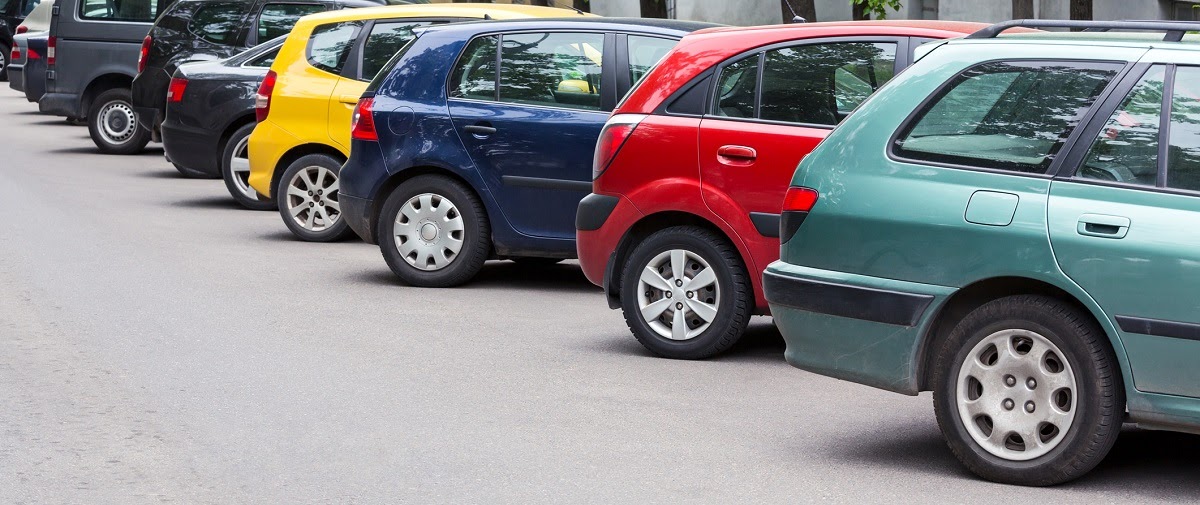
159,344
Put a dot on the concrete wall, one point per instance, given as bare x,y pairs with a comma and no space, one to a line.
731,12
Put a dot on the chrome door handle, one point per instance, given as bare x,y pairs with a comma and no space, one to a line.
1103,226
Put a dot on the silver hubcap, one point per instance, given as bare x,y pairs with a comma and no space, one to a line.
239,168
678,293
1016,394
312,198
117,122
429,231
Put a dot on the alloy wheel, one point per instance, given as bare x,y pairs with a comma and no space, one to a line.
678,293
239,166
312,198
429,231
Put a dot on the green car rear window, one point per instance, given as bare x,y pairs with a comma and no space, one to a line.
1010,115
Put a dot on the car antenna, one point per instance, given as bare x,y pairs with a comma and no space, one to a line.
487,17
572,7
796,18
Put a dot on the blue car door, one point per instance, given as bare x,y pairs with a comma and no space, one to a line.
533,136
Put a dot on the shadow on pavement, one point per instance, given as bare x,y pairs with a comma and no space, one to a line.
761,343
212,202
503,275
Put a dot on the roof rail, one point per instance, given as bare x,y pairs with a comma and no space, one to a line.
1174,29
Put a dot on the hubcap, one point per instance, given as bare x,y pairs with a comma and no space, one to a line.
312,198
678,293
1016,394
117,122
239,168
429,231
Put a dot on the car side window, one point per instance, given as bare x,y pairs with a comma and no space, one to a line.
1126,150
552,69
217,22
385,41
737,88
474,75
644,54
263,60
278,19
1010,116
1183,145
330,44
822,83
127,10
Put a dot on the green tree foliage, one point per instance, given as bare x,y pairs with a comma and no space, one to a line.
876,9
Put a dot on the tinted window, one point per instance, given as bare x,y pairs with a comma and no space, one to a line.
263,60
217,22
1127,148
119,10
475,74
644,53
278,19
1183,151
1005,115
737,87
27,6
555,69
330,44
822,83
385,41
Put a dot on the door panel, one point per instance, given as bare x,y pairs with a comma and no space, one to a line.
342,102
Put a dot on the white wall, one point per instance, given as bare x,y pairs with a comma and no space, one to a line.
617,8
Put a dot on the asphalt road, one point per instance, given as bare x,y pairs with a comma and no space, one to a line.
158,343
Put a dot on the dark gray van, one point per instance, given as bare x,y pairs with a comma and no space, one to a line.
91,58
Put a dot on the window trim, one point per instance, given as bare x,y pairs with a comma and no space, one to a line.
1068,145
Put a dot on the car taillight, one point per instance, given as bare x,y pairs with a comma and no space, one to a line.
30,54
616,131
363,125
51,43
799,199
145,53
262,100
176,89
22,29
16,54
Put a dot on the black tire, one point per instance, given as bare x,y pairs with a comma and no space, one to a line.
5,52
476,234
535,262
1098,403
734,300
336,228
120,101
232,179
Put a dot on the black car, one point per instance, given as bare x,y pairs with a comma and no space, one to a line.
196,30
209,117
12,12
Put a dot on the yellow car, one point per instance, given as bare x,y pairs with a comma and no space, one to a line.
305,103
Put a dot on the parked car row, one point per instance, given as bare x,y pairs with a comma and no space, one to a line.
1001,219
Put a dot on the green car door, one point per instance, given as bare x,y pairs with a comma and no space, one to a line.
1124,223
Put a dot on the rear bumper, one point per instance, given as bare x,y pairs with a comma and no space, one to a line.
61,104
149,93
16,77
268,144
600,223
862,329
357,213
195,150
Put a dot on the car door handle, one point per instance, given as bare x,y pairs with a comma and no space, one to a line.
479,130
1100,225
736,155
350,99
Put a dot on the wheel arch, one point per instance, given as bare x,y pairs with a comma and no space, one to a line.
973,295
233,126
298,152
102,83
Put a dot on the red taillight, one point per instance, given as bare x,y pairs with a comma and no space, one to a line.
22,29
145,54
16,54
30,54
799,199
51,43
616,131
262,100
363,125
176,89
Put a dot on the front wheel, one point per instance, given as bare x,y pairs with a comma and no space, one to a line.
685,293
307,197
434,232
235,170
113,124
1028,391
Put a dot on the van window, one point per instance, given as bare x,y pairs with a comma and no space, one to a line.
552,69
278,19
119,10
1010,116
330,44
217,22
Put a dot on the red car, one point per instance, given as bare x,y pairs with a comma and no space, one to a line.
691,169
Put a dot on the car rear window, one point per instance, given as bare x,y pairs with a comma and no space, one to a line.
217,22
121,10
330,44
1011,116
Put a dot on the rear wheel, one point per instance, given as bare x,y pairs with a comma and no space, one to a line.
434,232
307,197
685,293
4,52
1028,391
235,170
113,124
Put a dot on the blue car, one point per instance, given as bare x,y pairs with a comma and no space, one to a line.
476,141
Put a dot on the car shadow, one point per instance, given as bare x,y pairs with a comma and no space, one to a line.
762,342
212,202
1156,465
506,275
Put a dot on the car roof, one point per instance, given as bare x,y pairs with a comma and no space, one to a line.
662,26
882,27
1097,34
442,10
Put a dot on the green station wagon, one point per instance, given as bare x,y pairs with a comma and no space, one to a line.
1012,223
